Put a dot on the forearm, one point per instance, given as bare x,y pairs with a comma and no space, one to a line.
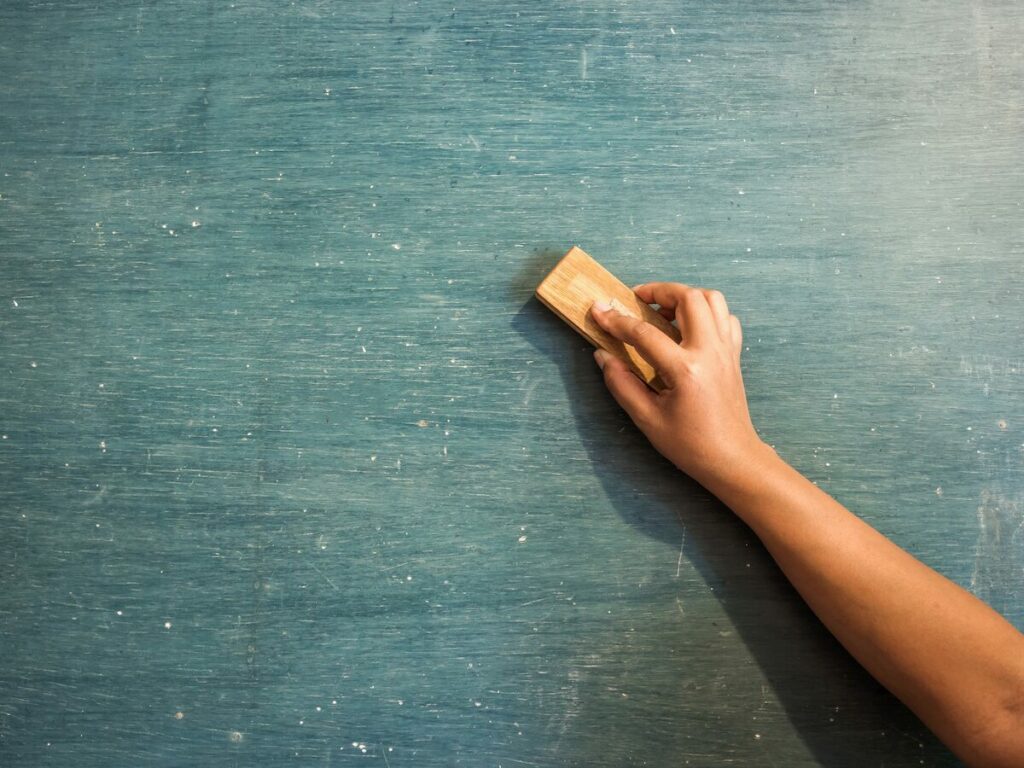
944,653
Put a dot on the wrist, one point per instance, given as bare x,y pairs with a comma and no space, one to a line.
741,472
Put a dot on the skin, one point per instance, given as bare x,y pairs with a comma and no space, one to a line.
948,656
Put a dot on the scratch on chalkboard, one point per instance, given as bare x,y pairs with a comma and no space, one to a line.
325,577
529,391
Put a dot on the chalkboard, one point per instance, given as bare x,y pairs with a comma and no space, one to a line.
295,471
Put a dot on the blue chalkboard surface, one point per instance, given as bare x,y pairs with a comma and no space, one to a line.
294,470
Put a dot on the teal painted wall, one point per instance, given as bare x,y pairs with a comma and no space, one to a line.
294,470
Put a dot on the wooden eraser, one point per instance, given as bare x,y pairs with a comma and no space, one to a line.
572,287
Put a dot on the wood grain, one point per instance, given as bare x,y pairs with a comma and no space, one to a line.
571,288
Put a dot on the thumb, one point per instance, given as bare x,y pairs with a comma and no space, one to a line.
628,390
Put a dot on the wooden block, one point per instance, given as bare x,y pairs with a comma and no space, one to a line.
576,282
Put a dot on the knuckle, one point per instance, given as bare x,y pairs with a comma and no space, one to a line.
716,296
639,329
644,420
692,294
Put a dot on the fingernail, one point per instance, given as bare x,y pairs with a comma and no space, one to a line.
601,357
601,306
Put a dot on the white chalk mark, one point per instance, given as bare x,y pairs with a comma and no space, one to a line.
679,563
531,602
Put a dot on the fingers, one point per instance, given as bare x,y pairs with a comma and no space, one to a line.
655,347
736,334
694,315
670,296
629,392
719,311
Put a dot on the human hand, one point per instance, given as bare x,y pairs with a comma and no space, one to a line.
700,421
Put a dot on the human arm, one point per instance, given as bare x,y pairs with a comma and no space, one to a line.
954,661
